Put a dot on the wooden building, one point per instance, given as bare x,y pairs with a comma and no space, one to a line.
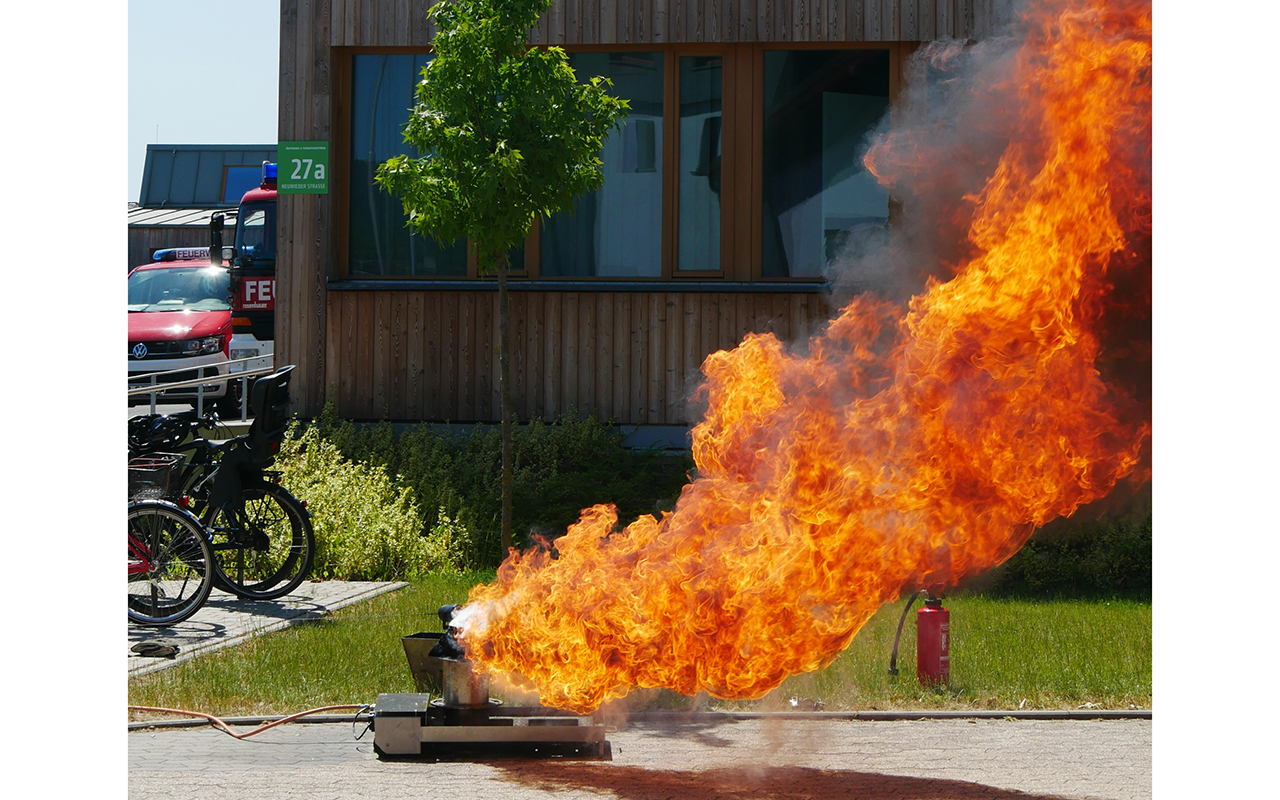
736,177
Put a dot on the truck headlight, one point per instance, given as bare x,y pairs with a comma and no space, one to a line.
200,347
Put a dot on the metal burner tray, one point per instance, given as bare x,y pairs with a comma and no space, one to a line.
413,725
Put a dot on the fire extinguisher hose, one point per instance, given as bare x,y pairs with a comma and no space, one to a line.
893,658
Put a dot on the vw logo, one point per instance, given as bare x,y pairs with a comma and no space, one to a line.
139,350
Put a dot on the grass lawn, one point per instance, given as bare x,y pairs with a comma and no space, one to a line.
1005,654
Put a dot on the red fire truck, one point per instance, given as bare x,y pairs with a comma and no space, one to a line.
253,273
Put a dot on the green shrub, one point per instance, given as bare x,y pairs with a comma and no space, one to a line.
369,444
559,469
366,527
578,461
1106,558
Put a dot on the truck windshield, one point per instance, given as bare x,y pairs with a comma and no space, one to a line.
180,289
256,231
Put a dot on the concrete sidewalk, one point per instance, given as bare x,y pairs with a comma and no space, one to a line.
779,759
226,620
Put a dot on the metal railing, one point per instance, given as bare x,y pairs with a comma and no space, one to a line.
154,387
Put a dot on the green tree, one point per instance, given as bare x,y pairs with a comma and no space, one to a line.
506,133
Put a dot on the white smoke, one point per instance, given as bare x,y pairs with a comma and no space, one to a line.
934,151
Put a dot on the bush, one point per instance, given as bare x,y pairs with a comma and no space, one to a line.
578,461
559,469
366,527
1103,559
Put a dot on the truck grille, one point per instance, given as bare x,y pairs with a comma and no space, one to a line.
155,350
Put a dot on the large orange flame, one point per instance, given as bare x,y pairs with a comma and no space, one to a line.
898,451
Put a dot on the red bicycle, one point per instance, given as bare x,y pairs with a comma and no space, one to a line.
170,563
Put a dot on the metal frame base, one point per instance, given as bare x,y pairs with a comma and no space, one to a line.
412,725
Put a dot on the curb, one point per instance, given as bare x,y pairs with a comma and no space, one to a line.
737,716
892,716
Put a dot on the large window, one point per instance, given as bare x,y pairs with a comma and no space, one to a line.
378,241
737,162
819,106
617,230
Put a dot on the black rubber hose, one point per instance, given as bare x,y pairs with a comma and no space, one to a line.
893,659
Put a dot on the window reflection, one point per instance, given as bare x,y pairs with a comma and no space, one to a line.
379,241
819,107
239,180
617,230
698,202
256,231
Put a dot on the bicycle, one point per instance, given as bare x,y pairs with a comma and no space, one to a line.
261,536
170,563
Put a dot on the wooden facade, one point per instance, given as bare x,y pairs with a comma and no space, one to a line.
632,354
143,241
403,23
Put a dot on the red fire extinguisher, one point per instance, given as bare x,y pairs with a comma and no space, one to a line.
933,643
933,639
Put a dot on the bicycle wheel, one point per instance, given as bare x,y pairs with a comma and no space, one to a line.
170,564
266,551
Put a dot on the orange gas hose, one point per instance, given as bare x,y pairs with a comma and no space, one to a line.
220,724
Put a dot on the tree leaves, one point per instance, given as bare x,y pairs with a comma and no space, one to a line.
506,131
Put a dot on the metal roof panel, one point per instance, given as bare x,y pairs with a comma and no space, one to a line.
192,175
171,217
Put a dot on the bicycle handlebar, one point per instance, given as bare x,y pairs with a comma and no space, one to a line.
209,421
152,433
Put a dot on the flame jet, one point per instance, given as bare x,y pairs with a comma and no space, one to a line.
903,447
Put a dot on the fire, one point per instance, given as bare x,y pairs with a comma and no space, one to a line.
903,448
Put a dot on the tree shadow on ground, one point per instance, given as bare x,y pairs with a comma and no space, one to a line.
199,629
752,781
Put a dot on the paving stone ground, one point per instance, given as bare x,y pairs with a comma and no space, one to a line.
655,760
225,619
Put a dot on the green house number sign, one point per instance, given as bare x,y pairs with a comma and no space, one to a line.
303,169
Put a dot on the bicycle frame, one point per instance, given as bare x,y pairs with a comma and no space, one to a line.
213,482
140,557
215,479
169,564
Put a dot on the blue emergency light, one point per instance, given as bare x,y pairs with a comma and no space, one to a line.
268,173
180,253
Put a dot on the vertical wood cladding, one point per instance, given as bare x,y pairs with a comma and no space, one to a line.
630,356
398,23
145,241
306,252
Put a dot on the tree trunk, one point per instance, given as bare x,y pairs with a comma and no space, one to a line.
504,388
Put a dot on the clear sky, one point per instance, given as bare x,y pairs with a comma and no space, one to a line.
201,73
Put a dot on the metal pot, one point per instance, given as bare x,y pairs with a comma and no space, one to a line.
463,686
